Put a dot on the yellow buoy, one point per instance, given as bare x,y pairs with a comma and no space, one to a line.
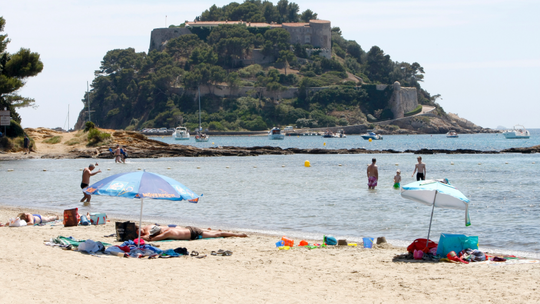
370,140
212,143
324,144
307,163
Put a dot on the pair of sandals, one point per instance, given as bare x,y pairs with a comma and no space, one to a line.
196,255
222,253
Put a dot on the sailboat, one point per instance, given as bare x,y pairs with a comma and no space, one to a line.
200,137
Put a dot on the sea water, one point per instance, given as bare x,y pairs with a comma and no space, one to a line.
482,142
276,194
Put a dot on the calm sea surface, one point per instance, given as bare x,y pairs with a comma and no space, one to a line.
277,195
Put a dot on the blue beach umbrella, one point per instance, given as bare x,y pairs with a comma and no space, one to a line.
437,194
142,184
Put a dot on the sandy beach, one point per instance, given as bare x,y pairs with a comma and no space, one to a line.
256,272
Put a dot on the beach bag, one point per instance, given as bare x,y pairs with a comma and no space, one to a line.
420,244
71,217
16,222
455,242
126,231
330,240
98,218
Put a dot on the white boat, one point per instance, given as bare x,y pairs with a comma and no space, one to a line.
200,137
371,135
338,134
519,132
452,134
181,133
275,133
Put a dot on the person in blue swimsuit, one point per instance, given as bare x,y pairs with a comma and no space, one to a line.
32,219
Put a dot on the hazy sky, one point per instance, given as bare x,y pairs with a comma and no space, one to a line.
482,56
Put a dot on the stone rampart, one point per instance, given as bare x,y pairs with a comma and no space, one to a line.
160,36
403,100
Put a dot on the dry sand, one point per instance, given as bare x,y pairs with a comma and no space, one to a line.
257,272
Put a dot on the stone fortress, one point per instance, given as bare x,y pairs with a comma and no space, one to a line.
317,33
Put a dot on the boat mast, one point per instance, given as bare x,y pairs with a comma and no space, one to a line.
199,91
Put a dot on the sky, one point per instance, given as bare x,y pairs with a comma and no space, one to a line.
481,56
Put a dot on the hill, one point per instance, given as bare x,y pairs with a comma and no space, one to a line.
257,65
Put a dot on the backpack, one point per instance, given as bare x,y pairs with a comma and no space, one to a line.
420,244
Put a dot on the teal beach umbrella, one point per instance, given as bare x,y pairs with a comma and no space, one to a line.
437,193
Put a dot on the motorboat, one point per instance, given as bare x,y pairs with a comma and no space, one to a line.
519,132
181,133
452,134
275,133
338,134
200,136
371,135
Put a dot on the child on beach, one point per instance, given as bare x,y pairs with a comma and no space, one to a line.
397,179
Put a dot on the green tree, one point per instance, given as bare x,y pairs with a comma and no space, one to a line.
230,42
308,15
276,40
14,70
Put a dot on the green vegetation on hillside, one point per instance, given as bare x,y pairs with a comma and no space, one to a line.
137,90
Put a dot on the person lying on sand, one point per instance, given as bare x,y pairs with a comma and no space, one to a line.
158,233
32,219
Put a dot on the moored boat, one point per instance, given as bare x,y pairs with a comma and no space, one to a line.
519,132
371,135
275,133
452,134
181,133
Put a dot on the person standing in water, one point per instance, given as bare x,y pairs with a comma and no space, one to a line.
397,179
421,168
372,174
87,172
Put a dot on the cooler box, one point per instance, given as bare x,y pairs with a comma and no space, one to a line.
455,242
98,218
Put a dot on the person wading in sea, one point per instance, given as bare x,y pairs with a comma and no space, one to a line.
87,172
421,168
372,174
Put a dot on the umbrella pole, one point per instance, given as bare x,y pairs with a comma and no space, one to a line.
140,222
431,219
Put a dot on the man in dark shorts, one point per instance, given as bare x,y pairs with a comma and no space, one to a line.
87,172
421,167
26,144
158,233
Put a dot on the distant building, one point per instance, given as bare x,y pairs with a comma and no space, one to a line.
316,33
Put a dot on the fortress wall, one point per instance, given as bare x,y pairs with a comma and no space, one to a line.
321,34
403,100
160,36
409,99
